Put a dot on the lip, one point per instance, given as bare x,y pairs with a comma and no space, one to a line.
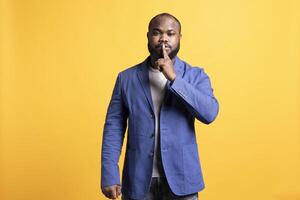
160,46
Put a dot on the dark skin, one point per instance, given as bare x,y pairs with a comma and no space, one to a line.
163,39
112,192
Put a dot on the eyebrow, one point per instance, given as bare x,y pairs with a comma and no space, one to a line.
157,29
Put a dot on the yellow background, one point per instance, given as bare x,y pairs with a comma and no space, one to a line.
59,60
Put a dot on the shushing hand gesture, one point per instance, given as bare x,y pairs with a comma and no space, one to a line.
165,65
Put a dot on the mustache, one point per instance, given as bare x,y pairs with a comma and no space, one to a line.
158,54
160,46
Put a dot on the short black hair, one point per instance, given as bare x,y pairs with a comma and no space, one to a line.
164,15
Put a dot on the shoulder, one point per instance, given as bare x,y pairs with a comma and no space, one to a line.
130,70
193,71
128,75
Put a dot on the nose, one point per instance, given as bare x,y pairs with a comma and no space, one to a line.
163,38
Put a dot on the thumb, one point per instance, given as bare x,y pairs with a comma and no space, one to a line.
114,193
118,190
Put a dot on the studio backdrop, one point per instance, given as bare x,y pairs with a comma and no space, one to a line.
59,60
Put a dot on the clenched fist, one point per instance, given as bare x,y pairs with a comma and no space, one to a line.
112,192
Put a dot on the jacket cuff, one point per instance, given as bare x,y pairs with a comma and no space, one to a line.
110,176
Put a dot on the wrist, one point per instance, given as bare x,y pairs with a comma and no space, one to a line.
172,78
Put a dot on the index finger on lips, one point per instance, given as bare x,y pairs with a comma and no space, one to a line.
165,54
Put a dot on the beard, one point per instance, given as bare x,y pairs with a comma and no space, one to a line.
159,54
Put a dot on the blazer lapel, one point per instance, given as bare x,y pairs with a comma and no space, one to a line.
143,76
179,67
144,81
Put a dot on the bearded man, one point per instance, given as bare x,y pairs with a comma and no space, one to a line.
158,101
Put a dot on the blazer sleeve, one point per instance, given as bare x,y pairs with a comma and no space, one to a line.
113,137
197,95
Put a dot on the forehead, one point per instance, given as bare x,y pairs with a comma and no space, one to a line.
164,23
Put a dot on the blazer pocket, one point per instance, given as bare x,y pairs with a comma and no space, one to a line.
191,164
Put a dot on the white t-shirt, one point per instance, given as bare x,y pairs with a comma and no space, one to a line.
157,82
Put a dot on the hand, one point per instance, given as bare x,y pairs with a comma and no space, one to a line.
112,192
165,65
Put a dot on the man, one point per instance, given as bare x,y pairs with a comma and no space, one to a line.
158,100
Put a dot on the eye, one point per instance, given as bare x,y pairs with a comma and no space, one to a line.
171,33
155,33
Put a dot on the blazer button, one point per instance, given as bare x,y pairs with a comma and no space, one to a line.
152,135
151,154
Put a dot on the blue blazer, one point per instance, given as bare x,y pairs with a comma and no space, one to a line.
188,97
